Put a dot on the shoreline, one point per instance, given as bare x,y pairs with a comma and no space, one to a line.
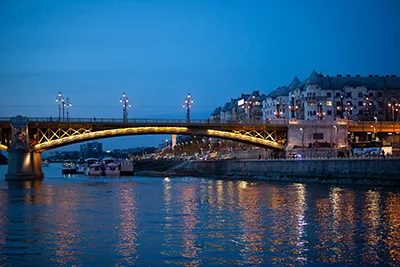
308,171
333,180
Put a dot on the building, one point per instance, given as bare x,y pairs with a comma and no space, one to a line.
320,97
91,148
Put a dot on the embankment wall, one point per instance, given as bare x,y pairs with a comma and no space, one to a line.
387,169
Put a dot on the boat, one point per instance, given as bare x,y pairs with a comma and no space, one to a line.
95,169
45,163
126,168
110,167
69,167
82,165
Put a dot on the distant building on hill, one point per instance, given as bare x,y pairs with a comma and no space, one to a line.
91,148
365,98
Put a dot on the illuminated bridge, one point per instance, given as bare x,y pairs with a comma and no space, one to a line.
26,138
45,134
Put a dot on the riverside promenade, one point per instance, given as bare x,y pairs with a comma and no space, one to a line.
381,171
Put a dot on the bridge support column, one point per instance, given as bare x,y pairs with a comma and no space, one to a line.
23,164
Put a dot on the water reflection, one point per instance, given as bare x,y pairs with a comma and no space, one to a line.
391,227
196,221
3,223
30,196
250,223
127,242
65,228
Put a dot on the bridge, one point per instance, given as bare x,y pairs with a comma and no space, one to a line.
26,138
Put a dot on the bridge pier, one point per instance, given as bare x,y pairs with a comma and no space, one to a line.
24,166
23,163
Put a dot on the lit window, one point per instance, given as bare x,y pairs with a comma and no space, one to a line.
329,103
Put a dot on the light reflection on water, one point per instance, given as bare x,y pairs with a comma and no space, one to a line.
190,221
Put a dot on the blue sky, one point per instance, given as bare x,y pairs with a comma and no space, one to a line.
158,51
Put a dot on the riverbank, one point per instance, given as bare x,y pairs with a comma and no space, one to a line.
342,171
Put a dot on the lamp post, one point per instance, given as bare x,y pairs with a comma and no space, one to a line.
60,101
394,107
368,105
293,108
67,104
187,104
349,109
320,113
125,105
278,112
341,107
302,137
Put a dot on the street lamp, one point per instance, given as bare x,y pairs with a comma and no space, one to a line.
302,137
60,101
368,105
349,109
278,111
341,107
67,104
187,104
293,108
320,113
125,105
394,107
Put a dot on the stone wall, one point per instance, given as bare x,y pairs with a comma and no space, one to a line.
388,169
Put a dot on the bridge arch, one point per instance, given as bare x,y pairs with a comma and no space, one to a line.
41,147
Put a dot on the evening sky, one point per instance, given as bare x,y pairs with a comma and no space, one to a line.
158,51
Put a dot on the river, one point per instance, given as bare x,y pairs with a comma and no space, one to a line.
190,221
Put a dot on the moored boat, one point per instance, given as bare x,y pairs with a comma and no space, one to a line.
82,165
69,167
95,169
126,168
109,166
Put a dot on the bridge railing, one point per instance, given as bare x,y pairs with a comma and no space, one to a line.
149,121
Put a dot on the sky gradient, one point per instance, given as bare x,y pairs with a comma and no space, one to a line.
158,51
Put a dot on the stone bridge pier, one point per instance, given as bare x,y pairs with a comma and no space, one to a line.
23,163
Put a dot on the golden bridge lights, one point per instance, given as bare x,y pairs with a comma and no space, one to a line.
187,104
125,105
60,102
67,105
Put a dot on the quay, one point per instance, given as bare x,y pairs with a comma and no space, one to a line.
341,170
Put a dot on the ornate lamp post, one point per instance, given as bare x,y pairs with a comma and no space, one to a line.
278,112
187,104
368,105
125,105
67,105
293,108
349,109
60,101
341,107
320,114
394,107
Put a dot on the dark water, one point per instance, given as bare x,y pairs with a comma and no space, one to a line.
82,221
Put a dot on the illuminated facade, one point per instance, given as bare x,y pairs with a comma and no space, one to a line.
319,97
